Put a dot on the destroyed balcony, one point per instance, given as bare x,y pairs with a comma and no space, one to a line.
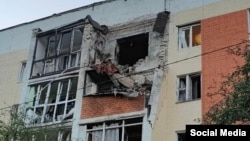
105,78
59,50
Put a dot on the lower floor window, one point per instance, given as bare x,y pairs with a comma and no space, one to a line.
123,130
64,135
51,102
181,136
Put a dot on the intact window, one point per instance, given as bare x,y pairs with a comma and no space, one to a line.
190,36
189,87
123,130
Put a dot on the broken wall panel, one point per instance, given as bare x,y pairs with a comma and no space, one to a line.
98,106
161,22
134,50
120,40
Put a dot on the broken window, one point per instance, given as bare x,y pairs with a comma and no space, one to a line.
190,36
189,87
181,136
53,101
57,51
123,130
22,71
132,49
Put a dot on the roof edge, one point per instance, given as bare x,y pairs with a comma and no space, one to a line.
60,13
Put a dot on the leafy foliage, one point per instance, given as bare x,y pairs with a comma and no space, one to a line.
234,108
17,130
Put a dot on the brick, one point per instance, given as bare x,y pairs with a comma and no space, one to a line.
219,32
97,106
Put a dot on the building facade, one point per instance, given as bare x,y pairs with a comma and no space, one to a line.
140,73
95,73
197,65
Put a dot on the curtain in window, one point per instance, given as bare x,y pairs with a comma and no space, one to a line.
97,135
182,90
112,134
182,39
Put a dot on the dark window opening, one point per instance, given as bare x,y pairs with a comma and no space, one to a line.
181,136
196,86
133,133
133,48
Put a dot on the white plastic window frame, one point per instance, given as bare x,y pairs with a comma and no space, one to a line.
181,36
187,88
22,71
77,53
45,105
103,127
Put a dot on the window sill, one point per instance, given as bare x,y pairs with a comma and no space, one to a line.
64,122
178,102
188,48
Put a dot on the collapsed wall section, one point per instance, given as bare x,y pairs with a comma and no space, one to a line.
122,66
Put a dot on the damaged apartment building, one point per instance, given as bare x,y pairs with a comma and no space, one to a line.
100,82
122,70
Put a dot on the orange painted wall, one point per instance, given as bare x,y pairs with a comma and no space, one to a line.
96,106
217,33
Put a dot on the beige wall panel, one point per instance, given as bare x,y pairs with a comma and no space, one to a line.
10,87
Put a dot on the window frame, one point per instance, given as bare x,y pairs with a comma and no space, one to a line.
22,71
46,102
125,123
44,64
190,38
188,87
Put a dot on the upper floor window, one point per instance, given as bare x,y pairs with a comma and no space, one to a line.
22,71
190,36
189,87
57,51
